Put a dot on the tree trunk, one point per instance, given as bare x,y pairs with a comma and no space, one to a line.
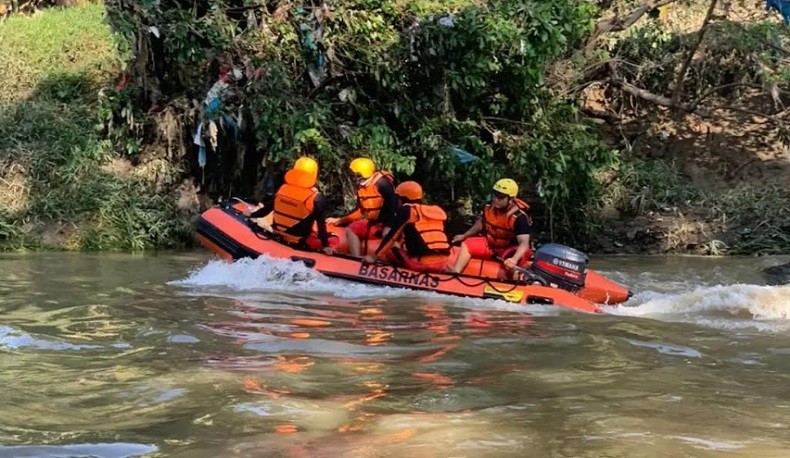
690,57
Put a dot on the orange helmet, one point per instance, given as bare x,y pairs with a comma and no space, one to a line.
300,178
409,190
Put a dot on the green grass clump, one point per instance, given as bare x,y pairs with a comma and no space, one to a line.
759,217
648,185
52,152
67,42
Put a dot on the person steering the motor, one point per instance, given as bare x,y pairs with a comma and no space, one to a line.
505,229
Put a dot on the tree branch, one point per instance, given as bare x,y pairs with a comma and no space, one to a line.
659,99
679,81
611,118
618,24
722,87
652,97
581,87
513,121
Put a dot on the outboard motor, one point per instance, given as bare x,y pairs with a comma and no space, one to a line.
561,265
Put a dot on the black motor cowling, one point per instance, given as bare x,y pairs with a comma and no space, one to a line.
562,265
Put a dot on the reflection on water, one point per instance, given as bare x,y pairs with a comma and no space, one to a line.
173,355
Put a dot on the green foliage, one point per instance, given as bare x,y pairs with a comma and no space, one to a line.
736,55
50,144
72,41
566,157
403,83
761,218
649,51
8,229
186,38
645,185
128,215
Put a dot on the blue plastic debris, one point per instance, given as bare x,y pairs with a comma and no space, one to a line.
212,107
231,122
780,6
202,156
463,155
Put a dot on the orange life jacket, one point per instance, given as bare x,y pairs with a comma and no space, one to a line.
499,227
429,221
369,199
293,203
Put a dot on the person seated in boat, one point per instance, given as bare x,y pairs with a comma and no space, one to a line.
505,229
272,180
419,228
376,204
297,206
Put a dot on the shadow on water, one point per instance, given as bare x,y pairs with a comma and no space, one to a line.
777,274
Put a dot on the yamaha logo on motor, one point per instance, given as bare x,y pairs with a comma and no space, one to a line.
565,264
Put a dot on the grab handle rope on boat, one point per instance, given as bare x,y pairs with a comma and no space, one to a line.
454,276
482,281
529,276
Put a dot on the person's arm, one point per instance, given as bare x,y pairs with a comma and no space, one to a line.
476,228
319,214
522,230
390,205
400,221
347,219
267,205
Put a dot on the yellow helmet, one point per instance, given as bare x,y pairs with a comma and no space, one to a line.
506,186
306,164
362,166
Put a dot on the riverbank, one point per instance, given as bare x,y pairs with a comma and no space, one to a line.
684,185
61,185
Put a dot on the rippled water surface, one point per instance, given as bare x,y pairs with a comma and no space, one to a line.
177,354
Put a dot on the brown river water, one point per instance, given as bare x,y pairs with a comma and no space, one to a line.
177,354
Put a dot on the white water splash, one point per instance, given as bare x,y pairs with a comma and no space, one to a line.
267,274
711,444
261,273
765,308
280,275
15,339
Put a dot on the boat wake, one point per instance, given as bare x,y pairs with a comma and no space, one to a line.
729,307
271,275
726,307
261,273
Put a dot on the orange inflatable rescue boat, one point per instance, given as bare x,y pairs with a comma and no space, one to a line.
557,274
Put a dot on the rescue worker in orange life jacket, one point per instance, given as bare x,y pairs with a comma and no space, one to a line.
376,204
421,229
297,206
505,226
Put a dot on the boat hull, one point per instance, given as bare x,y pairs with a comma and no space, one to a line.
225,231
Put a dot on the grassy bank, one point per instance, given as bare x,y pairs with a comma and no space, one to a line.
58,186
653,207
